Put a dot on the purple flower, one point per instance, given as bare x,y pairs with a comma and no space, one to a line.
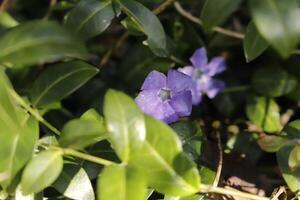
166,98
202,72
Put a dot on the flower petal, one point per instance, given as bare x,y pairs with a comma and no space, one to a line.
199,58
188,70
182,103
196,95
154,80
149,102
211,87
178,82
215,66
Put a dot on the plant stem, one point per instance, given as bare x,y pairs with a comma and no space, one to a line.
236,89
209,189
33,112
78,154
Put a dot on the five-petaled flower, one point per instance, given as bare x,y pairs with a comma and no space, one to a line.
166,98
202,72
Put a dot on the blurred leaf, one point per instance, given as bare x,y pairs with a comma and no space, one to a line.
292,130
207,175
37,42
275,20
60,80
125,123
264,113
90,17
131,26
92,114
168,170
120,182
254,44
80,133
7,21
292,178
20,196
273,81
148,23
294,158
41,171
215,12
74,183
18,134
271,143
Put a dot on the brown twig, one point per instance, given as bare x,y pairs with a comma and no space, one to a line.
277,193
4,5
162,7
196,20
50,9
220,164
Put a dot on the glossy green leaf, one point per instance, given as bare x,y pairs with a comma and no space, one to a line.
148,23
292,178
168,170
90,17
18,134
41,171
38,42
60,80
254,44
74,183
125,123
79,133
264,113
273,81
120,182
294,158
215,12
275,20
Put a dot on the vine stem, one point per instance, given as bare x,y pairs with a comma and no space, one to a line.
33,112
209,189
84,156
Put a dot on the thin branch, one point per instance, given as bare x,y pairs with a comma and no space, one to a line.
277,193
196,20
50,9
209,189
4,5
220,164
162,7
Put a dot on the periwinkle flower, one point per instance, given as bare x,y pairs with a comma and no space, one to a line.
166,98
202,72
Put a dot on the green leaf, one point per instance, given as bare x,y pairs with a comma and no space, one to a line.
272,143
292,130
120,182
90,17
20,196
292,178
215,12
125,123
60,80
7,21
79,133
264,113
254,44
19,131
167,169
74,183
275,20
294,158
148,23
92,114
38,42
273,81
41,171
